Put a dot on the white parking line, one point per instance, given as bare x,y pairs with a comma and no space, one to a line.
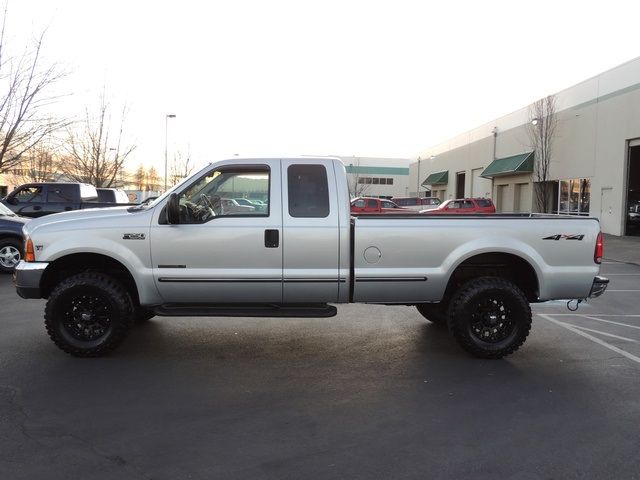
609,321
591,337
622,274
605,334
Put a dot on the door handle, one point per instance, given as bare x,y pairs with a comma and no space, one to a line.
272,238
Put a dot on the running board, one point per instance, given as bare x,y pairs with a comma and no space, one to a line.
313,310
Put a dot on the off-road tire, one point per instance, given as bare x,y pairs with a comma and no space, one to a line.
89,314
143,314
434,312
489,317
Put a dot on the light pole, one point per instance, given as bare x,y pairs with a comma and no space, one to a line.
166,135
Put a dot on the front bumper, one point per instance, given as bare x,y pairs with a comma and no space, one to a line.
26,278
599,286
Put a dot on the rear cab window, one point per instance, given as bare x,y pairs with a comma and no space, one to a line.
308,191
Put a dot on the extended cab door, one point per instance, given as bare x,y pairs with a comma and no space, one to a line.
217,254
311,233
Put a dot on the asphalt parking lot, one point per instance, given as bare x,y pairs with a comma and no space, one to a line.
373,393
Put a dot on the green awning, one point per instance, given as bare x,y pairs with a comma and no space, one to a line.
513,165
437,178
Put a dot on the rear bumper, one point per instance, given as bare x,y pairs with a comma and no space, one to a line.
26,278
599,286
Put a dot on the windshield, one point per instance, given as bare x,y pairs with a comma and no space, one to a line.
4,210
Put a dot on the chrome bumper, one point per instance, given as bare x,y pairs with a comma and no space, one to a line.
599,286
26,278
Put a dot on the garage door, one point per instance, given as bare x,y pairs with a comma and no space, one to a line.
524,197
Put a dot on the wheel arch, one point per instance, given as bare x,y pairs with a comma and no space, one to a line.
509,266
69,265
11,236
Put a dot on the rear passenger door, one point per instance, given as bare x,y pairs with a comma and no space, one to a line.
310,233
62,198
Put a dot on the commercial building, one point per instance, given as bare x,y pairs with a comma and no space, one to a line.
377,177
594,169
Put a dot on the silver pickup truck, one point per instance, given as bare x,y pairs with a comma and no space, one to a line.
292,248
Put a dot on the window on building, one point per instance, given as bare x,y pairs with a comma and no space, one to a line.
574,196
375,181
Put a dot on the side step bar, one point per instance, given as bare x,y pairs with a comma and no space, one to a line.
313,310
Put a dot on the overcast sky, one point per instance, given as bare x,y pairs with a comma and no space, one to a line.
345,77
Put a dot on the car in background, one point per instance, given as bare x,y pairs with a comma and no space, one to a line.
148,200
231,205
417,203
11,240
257,205
376,205
464,205
633,213
112,195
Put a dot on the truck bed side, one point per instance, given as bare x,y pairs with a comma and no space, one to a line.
416,259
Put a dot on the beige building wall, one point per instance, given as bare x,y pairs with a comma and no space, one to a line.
598,120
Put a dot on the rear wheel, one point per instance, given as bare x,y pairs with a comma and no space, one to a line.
89,314
490,317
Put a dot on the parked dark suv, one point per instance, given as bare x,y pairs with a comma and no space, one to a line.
11,243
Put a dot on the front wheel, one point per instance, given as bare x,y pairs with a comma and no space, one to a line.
89,314
10,254
434,312
489,317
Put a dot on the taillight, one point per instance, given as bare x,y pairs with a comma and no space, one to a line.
597,255
29,253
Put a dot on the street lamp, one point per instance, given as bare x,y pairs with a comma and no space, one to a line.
166,131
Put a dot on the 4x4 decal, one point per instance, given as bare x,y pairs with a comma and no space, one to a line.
564,237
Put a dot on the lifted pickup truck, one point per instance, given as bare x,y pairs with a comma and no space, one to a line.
39,199
184,255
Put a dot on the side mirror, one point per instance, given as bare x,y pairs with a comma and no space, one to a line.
11,200
173,209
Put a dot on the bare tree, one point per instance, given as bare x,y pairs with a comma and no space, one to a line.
140,177
24,98
153,180
541,129
38,165
93,156
359,186
181,168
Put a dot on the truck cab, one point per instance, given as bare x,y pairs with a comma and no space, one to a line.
39,199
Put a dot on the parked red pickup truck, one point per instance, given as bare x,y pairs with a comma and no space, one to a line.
376,205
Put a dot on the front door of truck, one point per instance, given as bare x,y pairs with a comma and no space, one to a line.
222,251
